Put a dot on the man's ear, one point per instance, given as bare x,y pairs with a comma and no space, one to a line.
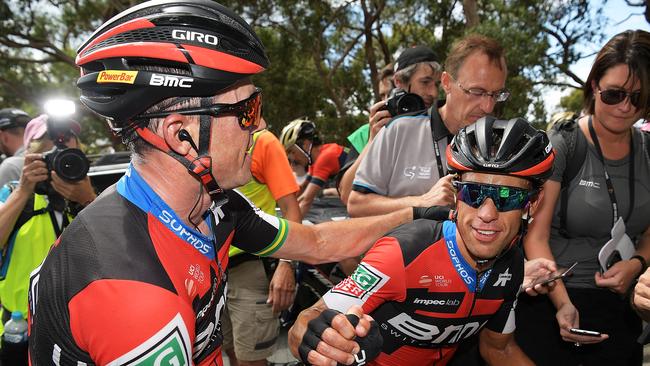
397,83
445,81
533,205
171,126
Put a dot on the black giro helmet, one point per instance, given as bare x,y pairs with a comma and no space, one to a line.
13,117
510,147
212,46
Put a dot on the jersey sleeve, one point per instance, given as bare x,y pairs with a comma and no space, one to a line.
255,231
327,164
376,168
273,167
379,278
359,138
561,151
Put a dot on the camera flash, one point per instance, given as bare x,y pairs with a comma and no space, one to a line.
60,108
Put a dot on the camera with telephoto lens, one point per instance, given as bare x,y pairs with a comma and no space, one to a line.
401,102
69,164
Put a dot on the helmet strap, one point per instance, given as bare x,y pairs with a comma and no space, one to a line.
307,154
199,166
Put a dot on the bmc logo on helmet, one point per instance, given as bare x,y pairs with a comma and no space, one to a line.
170,81
195,36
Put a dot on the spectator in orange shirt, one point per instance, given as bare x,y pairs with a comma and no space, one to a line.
303,146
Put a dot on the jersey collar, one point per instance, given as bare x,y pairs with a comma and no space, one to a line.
137,191
464,269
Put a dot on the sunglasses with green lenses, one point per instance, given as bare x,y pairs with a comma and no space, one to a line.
505,198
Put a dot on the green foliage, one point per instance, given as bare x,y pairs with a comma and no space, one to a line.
325,54
573,101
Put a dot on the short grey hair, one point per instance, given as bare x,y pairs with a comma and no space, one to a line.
404,76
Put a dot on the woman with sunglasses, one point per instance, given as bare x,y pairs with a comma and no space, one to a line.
611,185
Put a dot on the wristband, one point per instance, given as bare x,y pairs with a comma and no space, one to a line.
644,264
289,262
437,213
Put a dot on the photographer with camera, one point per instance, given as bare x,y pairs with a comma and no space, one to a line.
405,164
409,86
34,211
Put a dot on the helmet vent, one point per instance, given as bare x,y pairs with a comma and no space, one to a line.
137,35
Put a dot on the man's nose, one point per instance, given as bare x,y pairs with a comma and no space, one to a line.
488,212
487,103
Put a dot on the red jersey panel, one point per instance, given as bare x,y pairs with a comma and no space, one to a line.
329,162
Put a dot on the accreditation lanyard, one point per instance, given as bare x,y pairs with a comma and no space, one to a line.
608,181
436,148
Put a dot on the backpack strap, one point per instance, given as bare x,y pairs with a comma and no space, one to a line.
28,211
576,142
645,141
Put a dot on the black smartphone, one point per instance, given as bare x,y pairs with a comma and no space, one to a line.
584,332
613,258
560,273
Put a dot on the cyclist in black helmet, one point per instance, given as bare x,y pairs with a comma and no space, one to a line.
429,285
139,276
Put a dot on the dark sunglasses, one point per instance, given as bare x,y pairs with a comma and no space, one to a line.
615,96
505,198
248,111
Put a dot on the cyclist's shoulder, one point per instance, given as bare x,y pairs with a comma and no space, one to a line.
416,236
407,122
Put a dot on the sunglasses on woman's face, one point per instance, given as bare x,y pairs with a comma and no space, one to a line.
248,111
615,96
505,198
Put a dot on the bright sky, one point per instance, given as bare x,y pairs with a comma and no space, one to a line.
616,11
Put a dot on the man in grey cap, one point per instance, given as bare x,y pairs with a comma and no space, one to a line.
405,164
12,128
416,71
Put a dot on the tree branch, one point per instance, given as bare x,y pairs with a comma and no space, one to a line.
555,83
30,60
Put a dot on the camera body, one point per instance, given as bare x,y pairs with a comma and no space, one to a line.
401,102
70,164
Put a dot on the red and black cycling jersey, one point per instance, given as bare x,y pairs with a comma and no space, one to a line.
425,297
128,283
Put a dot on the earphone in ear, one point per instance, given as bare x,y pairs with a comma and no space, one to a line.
183,135
453,215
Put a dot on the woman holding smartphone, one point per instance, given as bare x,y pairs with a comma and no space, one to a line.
612,183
